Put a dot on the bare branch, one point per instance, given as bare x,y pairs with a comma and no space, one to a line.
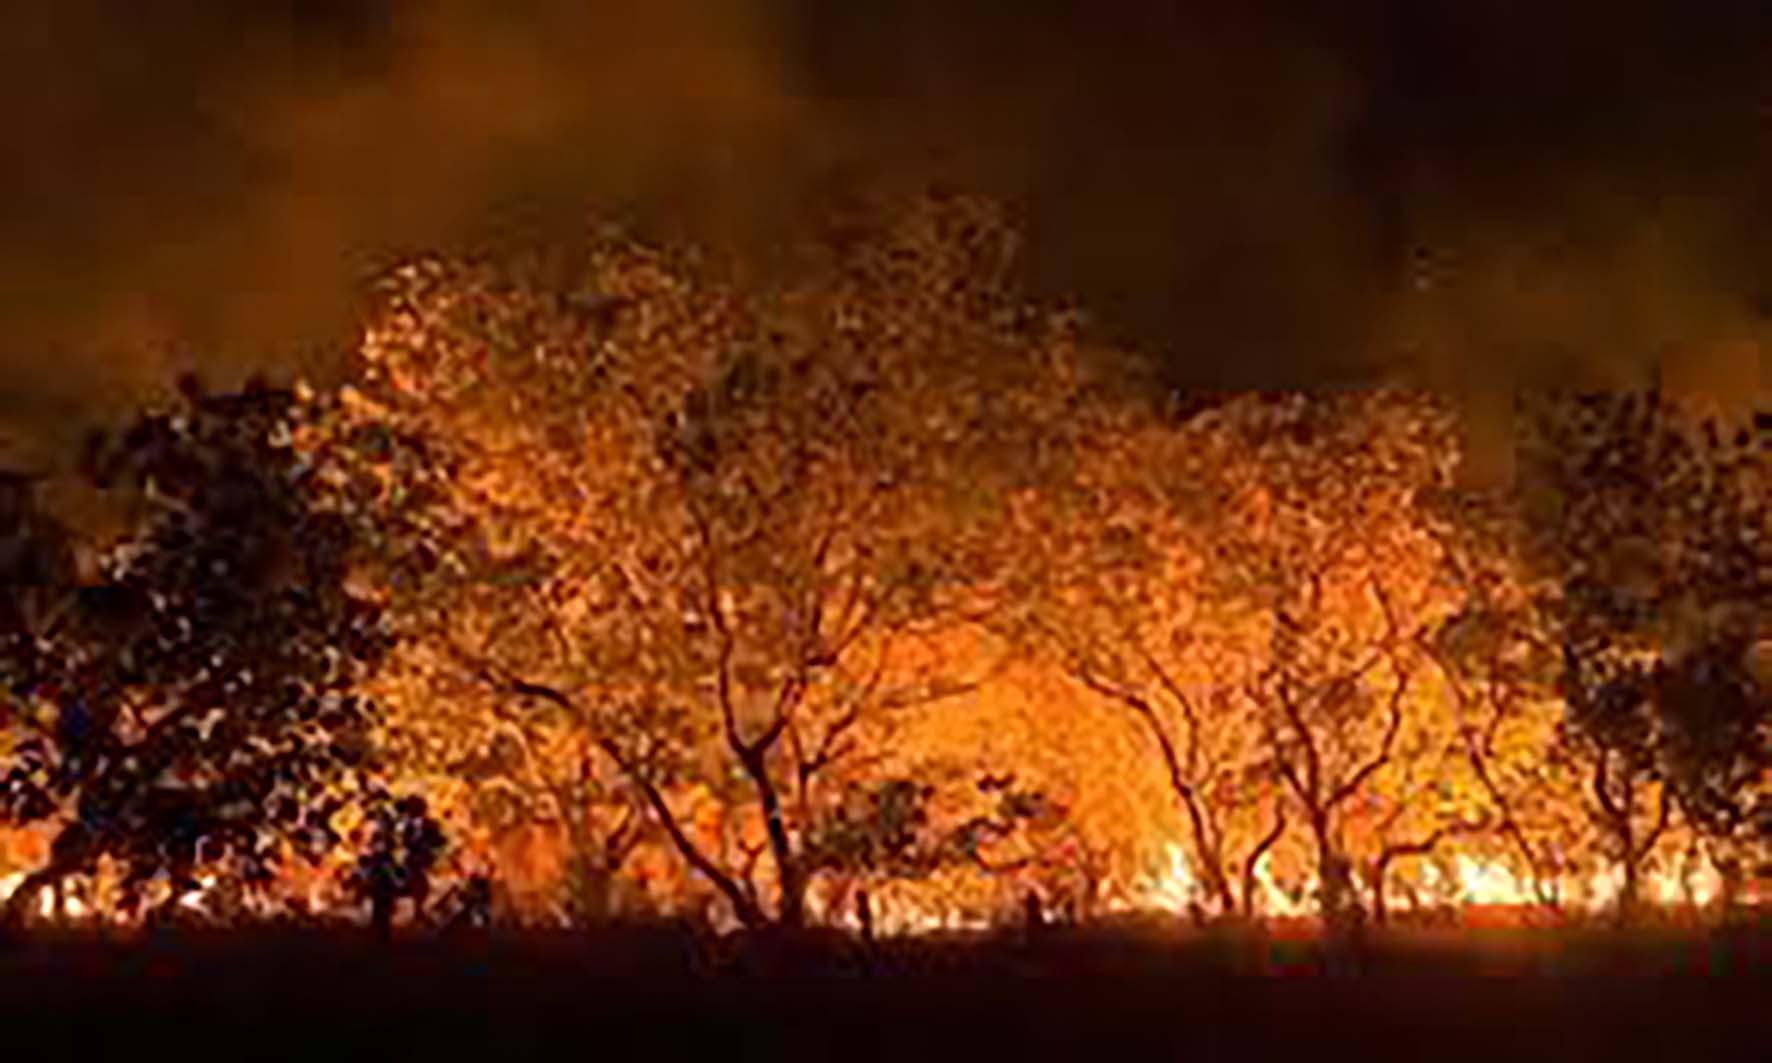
1392,852
792,688
1178,782
1655,832
1313,766
1287,771
1383,756
1183,702
1255,855
828,747
747,869
747,911
1478,759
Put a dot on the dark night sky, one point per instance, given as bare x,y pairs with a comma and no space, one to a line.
1255,193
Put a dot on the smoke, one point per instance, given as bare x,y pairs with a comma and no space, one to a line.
1249,194
1293,194
212,190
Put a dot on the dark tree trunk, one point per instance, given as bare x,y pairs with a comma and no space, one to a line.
381,914
1254,860
1329,885
789,877
1381,869
1380,911
1627,893
1730,881
792,912
864,914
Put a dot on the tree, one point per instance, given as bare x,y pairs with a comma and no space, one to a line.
1249,586
1331,548
1110,552
1649,520
196,707
722,536
398,853
887,831
1499,673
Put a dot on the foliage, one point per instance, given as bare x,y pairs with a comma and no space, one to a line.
196,706
717,537
885,830
673,584
398,853
1258,589
1649,518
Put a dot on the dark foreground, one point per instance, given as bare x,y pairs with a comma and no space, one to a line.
659,993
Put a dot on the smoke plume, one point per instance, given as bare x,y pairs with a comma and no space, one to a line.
1472,196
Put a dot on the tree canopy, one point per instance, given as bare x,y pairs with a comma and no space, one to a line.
712,541
196,707
661,587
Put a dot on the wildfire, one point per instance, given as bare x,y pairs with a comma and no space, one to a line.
1475,884
90,903
1375,696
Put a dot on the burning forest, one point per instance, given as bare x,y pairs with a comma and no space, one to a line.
873,604
676,491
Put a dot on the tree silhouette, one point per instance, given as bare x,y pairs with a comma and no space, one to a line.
195,708
398,854
1651,521
886,831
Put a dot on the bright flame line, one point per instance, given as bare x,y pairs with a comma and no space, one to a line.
1478,883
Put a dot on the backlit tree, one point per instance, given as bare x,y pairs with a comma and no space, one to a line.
1647,518
719,538
197,707
1252,587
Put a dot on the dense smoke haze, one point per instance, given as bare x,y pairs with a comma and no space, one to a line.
1472,195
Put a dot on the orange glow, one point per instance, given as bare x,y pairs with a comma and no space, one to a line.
1243,652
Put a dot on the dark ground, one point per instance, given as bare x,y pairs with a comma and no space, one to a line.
657,993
